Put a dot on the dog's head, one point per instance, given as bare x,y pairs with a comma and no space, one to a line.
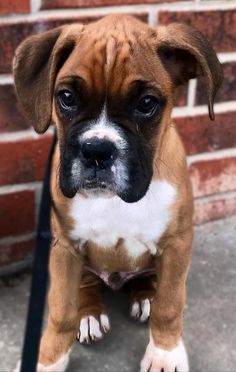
108,87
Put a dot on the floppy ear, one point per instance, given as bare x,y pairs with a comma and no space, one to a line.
186,54
35,66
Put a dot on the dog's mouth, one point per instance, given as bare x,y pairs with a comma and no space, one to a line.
96,185
97,179
95,188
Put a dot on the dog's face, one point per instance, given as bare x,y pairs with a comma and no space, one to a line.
108,87
108,108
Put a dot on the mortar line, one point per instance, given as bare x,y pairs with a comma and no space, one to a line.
152,19
24,135
221,195
104,10
221,107
35,5
27,186
214,155
17,238
192,88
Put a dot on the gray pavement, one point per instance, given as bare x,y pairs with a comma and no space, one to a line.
210,331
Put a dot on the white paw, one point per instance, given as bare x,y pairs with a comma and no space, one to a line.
161,360
59,366
140,310
92,329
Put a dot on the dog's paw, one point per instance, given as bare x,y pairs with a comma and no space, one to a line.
140,310
160,360
59,366
92,329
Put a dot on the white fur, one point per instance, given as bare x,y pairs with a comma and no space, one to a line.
91,329
76,169
157,359
135,310
103,128
141,310
141,224
104,322
59,366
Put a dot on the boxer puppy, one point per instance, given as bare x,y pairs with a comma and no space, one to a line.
122,202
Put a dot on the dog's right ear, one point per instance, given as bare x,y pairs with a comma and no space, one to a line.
36,64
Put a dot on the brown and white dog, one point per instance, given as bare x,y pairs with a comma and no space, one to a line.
122,202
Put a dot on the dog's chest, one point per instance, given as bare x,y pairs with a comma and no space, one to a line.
105,221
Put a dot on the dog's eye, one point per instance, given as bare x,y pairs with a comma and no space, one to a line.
147,105
67,100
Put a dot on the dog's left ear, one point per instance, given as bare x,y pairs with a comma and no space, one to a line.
187,54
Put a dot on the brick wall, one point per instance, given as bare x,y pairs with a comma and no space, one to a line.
210,146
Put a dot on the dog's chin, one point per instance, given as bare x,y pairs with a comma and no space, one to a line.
104,192
97,192
88,189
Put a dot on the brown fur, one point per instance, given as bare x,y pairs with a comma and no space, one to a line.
168,56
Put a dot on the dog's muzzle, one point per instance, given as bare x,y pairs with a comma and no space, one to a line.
105,162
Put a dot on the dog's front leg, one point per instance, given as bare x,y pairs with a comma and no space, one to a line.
165,351
62,326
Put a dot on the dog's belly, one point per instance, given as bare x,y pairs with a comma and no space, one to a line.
107,221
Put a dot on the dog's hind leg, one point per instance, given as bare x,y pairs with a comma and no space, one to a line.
63,300
142,290
94,321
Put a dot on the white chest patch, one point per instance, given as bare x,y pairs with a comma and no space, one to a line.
140,224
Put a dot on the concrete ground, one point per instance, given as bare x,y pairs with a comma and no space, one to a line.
210,332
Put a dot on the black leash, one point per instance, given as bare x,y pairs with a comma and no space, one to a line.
39,276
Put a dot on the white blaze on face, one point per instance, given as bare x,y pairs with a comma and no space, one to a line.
102,128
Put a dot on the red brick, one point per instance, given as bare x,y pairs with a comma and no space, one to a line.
227,91
17,213
180,99
214,209
200,134
219,26
23,161
14,33
13,252
14,6
55,4
213,176
11,118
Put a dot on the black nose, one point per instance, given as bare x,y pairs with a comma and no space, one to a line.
98,153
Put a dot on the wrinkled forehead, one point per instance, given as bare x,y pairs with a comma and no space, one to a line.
109,61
